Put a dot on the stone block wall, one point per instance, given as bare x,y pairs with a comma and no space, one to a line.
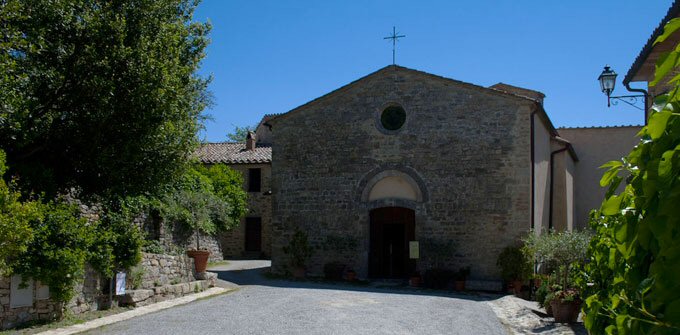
88,292
143,297
160,270
10,317
468,145
166,276
88,297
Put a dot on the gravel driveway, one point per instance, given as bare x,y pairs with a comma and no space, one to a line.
262,306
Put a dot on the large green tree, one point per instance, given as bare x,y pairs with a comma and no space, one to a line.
102,95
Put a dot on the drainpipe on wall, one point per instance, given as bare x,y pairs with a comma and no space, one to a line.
532,169
639,90
552,181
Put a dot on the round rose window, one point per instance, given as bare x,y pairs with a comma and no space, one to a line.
393,117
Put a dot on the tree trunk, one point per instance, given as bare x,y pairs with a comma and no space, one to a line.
198,243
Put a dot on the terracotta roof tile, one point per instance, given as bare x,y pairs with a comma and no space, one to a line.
673,12
602,127
233,153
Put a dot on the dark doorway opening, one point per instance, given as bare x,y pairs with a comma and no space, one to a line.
391,230
253,234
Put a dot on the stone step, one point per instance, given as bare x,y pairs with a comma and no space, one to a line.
143,297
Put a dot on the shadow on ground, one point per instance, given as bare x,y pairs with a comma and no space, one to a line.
244,273
577,328
256,273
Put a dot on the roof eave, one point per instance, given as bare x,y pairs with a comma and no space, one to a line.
673,12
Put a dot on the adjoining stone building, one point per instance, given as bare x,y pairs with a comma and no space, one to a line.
252,158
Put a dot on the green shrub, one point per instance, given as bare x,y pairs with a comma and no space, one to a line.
542,293
298,249
15,222
514,264
206,201
118,243
635,255
153,247
136,276
56,256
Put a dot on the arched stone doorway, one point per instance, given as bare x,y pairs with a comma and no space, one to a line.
391,229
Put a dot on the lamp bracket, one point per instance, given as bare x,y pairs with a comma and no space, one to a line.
631,100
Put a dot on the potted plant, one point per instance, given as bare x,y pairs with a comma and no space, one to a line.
565,305
351,275
342,247
333,270
515,267
299,251
415,279
204,203
194,209
459,278
562,251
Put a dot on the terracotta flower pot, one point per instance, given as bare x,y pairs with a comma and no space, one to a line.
299,272
517,286
565,312
548,310
200,259
351,275
459,285
537,282
414,281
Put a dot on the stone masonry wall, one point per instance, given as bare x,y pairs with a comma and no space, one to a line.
469,146
88,297
165,275
160,269
259,205
10,317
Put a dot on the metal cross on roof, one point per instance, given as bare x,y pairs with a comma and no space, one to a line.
394,39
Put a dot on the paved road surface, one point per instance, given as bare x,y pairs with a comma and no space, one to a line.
263,306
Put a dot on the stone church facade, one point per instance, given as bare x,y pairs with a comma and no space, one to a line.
462,164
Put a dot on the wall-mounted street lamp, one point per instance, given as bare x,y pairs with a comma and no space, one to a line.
607,82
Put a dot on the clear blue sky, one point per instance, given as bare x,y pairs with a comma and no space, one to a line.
272,56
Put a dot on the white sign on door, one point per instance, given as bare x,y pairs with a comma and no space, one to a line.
413,249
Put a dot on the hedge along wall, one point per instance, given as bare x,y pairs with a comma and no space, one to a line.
32,303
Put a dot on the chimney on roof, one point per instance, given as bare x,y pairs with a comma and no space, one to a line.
250,141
